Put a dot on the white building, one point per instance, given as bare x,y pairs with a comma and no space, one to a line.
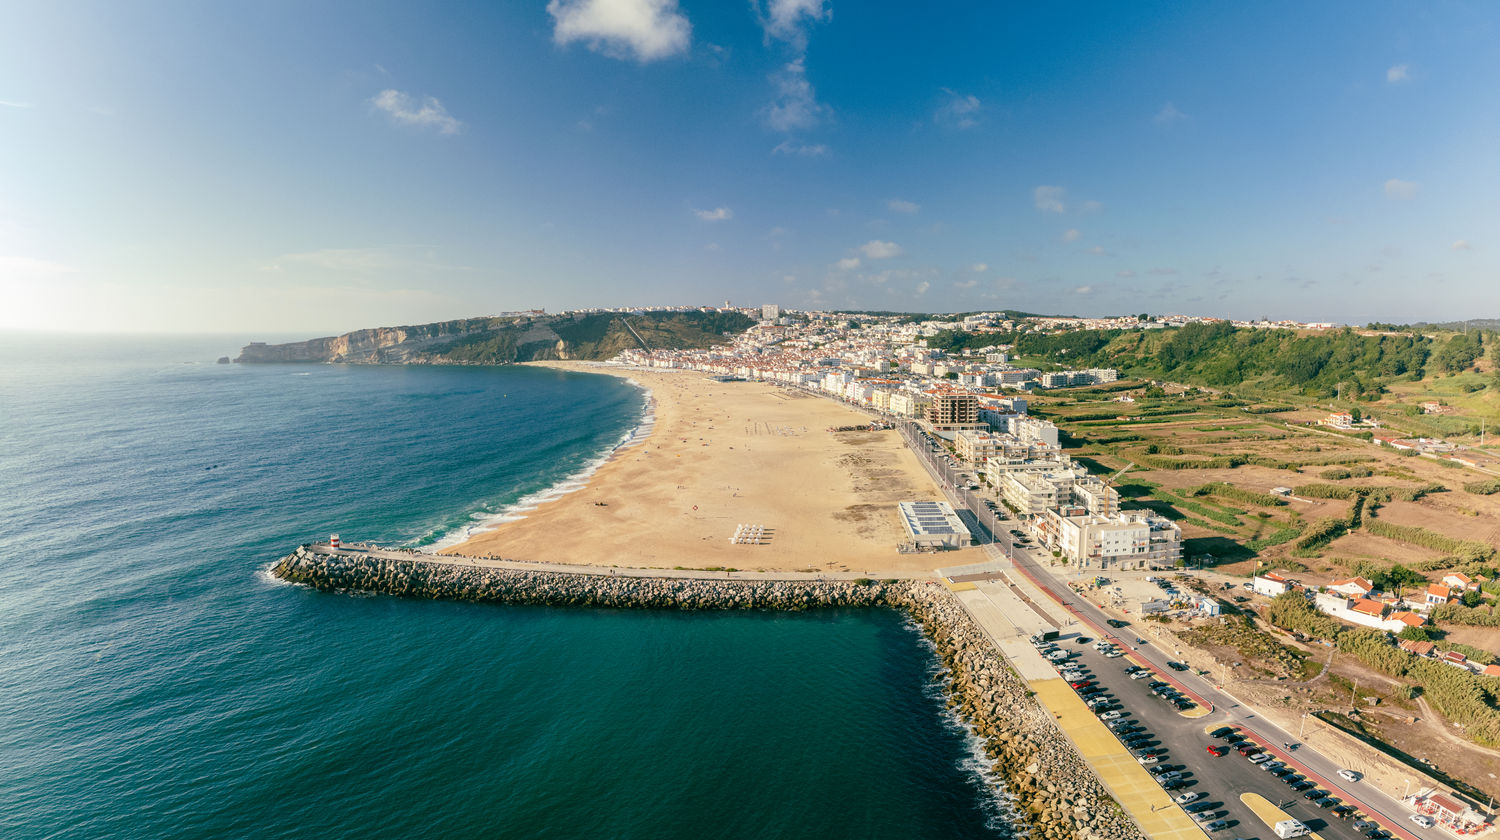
1028,429
770,312
1270,585
933,525
1133,540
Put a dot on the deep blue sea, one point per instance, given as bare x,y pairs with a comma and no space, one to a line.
156,683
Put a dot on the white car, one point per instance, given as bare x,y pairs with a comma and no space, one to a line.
1114,654
1260,758
1185,798
1421,820
1349,775
1074,675
1141,675
1148,759
1112,715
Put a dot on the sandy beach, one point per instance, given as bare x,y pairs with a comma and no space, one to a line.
726,454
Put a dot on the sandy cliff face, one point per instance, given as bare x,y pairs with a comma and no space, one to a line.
372,346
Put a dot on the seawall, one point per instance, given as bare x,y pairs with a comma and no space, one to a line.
1052,789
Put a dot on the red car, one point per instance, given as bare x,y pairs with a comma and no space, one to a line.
1082,683
1217,752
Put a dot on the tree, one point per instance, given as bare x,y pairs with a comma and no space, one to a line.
1414,634
1471,599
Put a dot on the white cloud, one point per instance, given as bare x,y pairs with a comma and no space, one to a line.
1098,250
787,147
875,249
1398,73
784,19
965,284
796,105
1050,199
1401,190
1127,273
979,268
897,205
959,111
645,30
1462,245
1163,271
848,263
426,112
718,214
922,288
1091,206
8,104
1083,290
1169,114
1071,235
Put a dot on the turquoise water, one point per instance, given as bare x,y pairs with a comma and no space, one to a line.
155,682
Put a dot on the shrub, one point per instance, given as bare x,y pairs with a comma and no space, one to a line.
1483,488
1465,550
1239,494
1320,533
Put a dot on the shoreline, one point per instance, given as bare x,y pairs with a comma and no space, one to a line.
1051,789
573,482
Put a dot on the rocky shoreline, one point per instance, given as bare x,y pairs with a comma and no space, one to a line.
1054,792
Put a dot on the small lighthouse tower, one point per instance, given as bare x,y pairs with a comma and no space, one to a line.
333,540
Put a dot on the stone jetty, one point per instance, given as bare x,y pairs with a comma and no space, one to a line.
1052,789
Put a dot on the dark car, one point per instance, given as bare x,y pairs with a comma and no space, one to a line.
1234,737
1172,784
1183,705
1198,806
1248,750
1117,623
1082,640
1090,690
1177,666
1344,812
1326,802
1283,772
1156,684
1302,785
1376,834
1314,795
1221,732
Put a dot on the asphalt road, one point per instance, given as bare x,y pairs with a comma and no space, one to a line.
1222,779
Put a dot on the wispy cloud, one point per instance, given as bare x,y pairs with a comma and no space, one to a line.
898,205
6,103
959,110
796,105
787,147
1163,271
1072,235
922,288
1462,245
1125,273
1050,199
33,267
965,284
1398,73
1168,115
718,214
979,268
788,20
374,259
1083,290
848,263
426,112
876,249
1100,251
645,30
1400,190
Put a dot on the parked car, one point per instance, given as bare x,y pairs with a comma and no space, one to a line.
1112,714
1326,802
1314,795
1260,758
1216,751
1221,732
1185,798
1216,825
1344,812
1148,759
1140,675
1182,704
1081,683
1201,806
1271,766
1081,640
1302,785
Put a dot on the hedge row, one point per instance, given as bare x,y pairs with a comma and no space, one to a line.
1465,550
1320,533
1283,535
1239,494
1484,488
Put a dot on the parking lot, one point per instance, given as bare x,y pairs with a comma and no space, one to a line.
1175,748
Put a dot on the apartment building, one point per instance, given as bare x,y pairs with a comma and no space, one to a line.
951,412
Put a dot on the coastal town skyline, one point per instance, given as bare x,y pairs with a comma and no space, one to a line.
314,171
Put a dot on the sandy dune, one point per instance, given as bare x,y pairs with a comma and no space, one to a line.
729,454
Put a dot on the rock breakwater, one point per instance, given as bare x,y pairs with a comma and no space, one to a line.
1054,792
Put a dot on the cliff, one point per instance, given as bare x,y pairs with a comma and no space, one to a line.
506,339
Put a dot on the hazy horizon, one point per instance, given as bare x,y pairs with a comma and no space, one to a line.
296,169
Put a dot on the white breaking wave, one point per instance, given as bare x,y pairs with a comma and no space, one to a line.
484,522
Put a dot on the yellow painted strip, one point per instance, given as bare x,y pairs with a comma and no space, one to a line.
961,587
1140,795
1196,712
1269,813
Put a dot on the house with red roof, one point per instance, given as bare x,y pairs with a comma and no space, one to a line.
1459,581
1355,587
1437,594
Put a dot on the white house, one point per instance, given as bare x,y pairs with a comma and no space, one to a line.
1270,585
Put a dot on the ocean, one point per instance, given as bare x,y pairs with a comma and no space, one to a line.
155,682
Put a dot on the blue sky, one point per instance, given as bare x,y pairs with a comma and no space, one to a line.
318,167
